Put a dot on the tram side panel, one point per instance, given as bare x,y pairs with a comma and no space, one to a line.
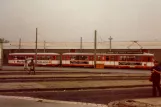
17,60
42,60
147,62
77,61
129,61
48,60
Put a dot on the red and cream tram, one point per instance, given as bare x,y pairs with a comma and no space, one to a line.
142,60
46,59
145,60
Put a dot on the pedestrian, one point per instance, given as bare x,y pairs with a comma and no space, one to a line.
32,66
155,78
26,65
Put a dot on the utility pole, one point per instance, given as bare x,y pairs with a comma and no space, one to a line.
81,44
44,46
95,48
35,52
1,56
19,44
110,42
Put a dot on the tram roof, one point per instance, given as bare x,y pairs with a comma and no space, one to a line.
34,54
144,54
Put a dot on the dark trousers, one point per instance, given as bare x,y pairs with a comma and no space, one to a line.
156,84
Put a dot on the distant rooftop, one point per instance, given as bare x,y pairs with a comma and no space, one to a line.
85,45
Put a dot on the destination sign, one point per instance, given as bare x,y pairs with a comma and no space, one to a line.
126,52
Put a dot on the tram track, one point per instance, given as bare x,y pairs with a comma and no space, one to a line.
50,72
84,78
70,89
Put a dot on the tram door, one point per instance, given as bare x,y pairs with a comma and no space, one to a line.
65,59
111,61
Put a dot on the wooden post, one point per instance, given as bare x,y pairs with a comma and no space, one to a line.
95,48
19,44
35,52
81,45
110,42
44,46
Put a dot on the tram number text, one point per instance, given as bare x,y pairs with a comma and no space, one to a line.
20,61
79,62
42,62
129,63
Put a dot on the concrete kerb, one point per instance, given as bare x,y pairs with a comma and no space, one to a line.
54,101
70,89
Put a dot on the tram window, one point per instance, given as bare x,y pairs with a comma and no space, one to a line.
107,58
122,58
112,58
149,59
65,57
48,57
90,57
99,58
145,59
73,58
12,57
138,58
43,57
57,57
83,58
20,57
130,58
54,57
77,57
30,57
15,57
38,57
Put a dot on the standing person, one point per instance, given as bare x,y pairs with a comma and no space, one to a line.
155,78
32,66
26,65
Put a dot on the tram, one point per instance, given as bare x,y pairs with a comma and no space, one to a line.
43,59
145,60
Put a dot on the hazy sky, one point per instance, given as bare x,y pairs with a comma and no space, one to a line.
68,20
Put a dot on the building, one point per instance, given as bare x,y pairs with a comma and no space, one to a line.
87,47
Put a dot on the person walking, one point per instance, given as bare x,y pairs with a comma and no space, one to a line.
32,66
155,78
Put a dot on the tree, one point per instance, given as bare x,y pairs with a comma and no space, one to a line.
2,40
